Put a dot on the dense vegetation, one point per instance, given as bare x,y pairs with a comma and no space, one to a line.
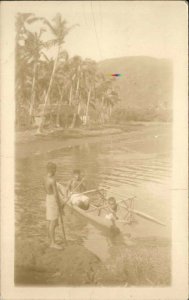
61,91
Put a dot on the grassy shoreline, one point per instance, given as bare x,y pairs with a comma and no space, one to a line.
30,135
37,145
27,143
77,266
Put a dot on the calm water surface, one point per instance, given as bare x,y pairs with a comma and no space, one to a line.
130,164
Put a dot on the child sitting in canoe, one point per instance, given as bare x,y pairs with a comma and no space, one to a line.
112,209
75,189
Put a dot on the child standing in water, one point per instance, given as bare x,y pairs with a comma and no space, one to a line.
112,209
52,203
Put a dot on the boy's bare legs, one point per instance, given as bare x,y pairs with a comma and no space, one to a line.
52,226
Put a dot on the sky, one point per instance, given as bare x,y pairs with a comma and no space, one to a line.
109,29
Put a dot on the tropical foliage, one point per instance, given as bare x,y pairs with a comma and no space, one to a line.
57,91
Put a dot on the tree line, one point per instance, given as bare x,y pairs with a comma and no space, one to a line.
61,91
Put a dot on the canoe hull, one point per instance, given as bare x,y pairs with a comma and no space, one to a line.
138,227
100,221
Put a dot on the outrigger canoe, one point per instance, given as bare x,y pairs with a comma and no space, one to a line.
128,217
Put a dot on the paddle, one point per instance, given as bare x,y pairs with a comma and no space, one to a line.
90,191
62,224
60,214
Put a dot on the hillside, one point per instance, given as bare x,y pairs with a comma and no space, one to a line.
146,81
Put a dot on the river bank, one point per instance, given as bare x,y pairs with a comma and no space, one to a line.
37,264
28,143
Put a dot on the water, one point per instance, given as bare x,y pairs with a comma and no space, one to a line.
136,164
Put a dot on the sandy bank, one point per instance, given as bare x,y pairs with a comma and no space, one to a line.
74,265
36,264
27,143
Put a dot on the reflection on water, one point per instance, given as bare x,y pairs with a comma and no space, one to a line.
124,169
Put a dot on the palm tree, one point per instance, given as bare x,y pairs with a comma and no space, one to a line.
110,101
24,52
59,29
22,19
90,69
101,88
55,82
22,82
62,82
77,67
107,97
33,53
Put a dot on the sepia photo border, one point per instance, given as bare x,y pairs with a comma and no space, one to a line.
179,287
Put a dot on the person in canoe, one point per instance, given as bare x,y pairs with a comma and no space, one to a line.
75,189
52,203
112,209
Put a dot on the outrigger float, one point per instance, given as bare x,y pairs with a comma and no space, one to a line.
126,213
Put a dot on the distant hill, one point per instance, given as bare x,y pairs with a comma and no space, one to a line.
146,81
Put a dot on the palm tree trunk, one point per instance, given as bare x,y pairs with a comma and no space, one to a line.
102,111
73,120
77,87
87,108
49,90
110,111
33,91
70,97
58,108
78,107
